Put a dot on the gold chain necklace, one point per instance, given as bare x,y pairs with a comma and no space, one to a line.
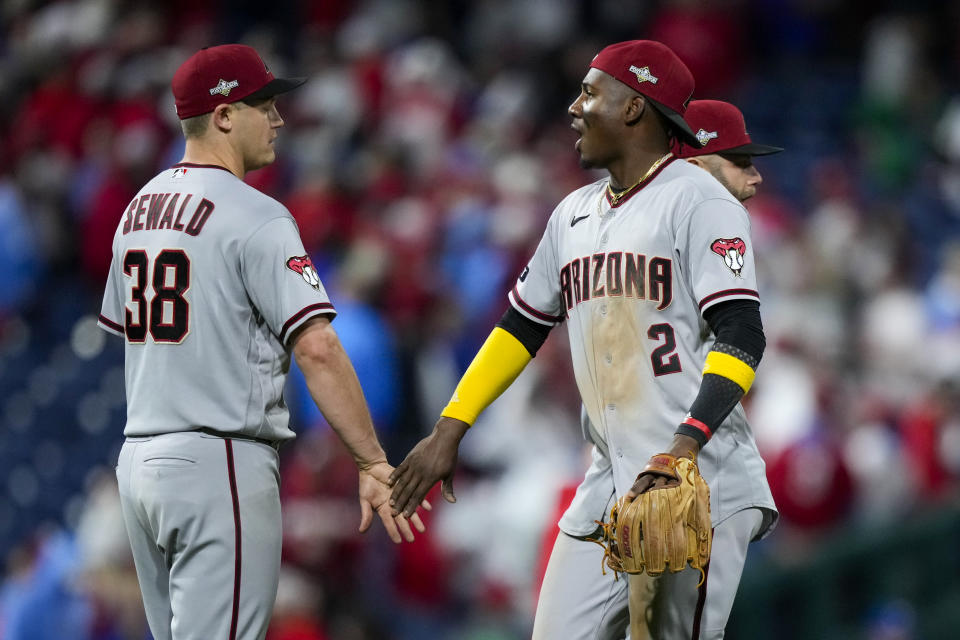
616,197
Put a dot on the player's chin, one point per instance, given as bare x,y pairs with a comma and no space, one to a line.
586,162
267,157
589,158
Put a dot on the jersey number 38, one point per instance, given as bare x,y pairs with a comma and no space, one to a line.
167,314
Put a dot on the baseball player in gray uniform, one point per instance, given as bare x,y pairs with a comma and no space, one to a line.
212,290
653,270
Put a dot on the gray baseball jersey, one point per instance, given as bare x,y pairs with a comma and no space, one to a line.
632,279
209,279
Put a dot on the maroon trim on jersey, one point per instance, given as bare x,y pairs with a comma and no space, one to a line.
192,165
701,600
537,314
232,475
728,292
107,322
637,188
299,314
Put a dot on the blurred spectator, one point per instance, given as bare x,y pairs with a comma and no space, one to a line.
709,38
37,603
365,335
20,262
811,484
82,587
298,614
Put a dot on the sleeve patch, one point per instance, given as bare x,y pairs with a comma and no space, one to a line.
732,250
304,266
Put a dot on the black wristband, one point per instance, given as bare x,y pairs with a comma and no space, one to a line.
693,432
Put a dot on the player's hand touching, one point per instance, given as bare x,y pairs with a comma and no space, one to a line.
682,447
433,460
375,496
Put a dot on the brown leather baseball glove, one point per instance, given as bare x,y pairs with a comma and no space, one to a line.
664,527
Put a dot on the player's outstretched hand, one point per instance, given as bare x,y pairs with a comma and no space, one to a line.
433,460
375,496
681,447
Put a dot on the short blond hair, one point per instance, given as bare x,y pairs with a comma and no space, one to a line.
196,126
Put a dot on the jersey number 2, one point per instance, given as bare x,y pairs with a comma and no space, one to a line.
664,358
167,315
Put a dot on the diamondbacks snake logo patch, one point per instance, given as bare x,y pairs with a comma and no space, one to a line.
732,251
304,266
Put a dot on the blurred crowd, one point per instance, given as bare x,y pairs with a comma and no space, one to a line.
421,162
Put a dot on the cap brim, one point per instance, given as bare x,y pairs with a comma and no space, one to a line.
273,88
752,149
684,132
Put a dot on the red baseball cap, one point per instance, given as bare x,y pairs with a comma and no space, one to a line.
653,69
720,128
224,74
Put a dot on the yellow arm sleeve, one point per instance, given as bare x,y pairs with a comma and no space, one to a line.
498,363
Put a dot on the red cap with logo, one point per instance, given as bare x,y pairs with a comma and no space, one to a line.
720,128
224,74
653,69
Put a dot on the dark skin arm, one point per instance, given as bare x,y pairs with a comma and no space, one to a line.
681,447
432,460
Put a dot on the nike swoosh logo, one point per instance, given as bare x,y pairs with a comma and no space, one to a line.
576,220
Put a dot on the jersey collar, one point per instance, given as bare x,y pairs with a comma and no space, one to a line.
635,189
193,165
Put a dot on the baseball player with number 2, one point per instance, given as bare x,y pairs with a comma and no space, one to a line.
213,291
654,272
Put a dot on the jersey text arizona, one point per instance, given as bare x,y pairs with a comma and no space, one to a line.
617,274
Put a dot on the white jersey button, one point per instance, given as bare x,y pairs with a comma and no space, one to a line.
609,358
603,309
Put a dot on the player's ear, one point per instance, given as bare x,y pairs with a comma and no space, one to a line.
635,109
221,117
697,161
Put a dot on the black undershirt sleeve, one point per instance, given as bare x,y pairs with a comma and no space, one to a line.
739,332
738,323
531,334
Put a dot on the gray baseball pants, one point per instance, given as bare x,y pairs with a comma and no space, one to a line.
203,517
